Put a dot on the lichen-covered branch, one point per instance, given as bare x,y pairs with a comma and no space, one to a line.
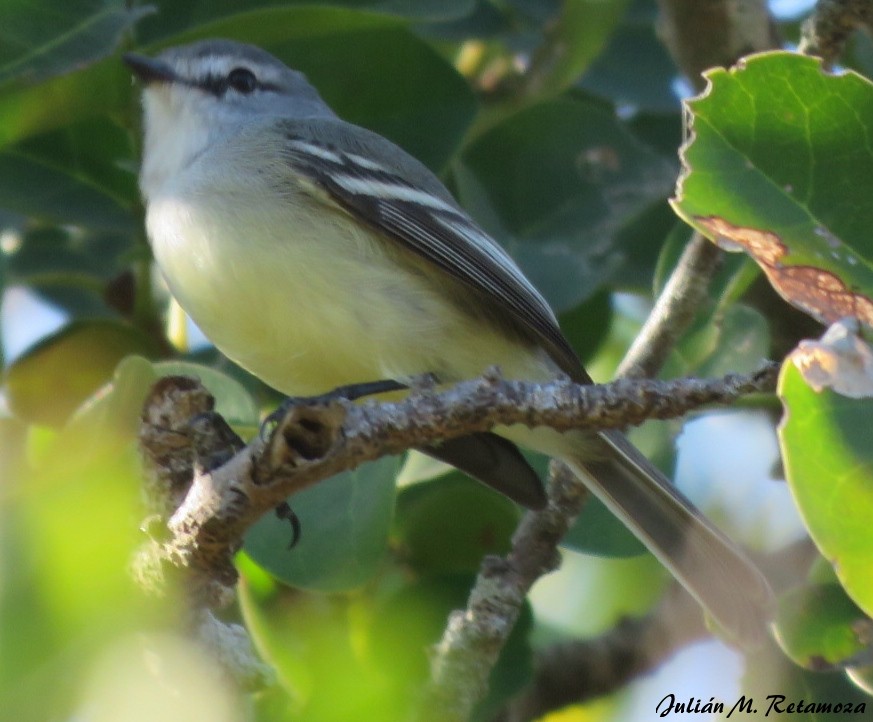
233,486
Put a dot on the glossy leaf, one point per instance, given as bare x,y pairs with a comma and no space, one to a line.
778,166
43,38
345,522
828,459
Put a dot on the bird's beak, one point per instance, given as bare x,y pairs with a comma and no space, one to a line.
149,70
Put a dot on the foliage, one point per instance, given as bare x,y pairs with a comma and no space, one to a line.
569,163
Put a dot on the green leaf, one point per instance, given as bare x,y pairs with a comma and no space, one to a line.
34,187
41,38
825,444
174,16
48,382
448,524
635,68
582,30
779,166
313,641
345,522
101,88
587,325
555,183
818,627
96,151
771,682
106,425
414,96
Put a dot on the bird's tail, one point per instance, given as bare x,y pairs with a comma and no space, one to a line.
711,567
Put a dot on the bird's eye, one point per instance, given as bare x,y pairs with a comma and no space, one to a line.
242,80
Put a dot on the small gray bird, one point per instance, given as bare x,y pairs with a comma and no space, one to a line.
317,254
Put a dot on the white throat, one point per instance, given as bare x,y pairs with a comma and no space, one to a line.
175,135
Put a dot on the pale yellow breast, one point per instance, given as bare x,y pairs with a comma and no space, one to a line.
308,305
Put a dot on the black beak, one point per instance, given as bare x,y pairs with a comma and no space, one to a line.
149,70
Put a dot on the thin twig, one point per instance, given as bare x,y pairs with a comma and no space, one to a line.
675,309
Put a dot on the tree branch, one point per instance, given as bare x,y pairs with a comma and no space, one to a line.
825,33
317,439
703,35
232,485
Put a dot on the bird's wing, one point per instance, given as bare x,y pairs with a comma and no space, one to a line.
404,201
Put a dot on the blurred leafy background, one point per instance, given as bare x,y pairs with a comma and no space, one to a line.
557,125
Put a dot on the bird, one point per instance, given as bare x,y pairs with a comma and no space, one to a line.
317,254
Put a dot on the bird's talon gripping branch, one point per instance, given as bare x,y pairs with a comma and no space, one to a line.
286,513
351,392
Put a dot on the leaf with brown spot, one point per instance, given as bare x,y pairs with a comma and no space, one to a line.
779,165
820,293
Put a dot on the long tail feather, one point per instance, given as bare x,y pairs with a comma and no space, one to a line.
725,582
